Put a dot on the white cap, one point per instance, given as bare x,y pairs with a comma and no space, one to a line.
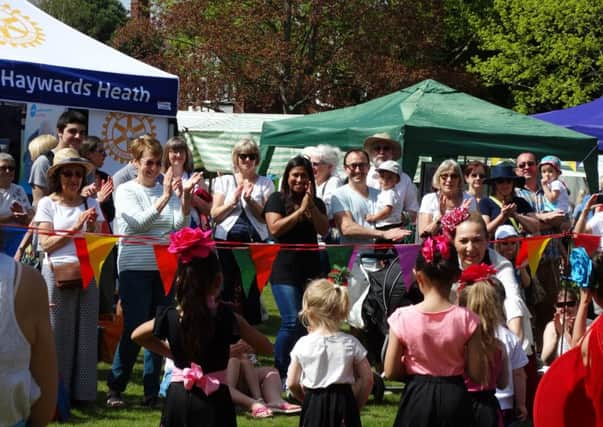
504,231
390,166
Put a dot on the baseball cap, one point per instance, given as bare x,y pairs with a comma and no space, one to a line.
390,166
504,231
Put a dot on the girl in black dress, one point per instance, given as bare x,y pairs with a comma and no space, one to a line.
199,331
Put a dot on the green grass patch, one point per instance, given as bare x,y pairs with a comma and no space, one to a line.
134,414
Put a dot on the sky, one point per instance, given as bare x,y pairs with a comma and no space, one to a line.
126,3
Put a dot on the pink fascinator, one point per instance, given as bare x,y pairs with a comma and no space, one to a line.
431,245
190,243
453,218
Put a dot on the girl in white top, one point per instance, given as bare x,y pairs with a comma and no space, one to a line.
329,370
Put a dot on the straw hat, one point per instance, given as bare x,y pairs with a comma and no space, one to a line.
383,138
67,157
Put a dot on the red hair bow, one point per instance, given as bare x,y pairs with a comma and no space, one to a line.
475,273
433,244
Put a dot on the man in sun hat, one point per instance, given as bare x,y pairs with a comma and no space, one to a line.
381,147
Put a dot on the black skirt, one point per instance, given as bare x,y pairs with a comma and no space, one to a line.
486,409
193,408
435,402
333,406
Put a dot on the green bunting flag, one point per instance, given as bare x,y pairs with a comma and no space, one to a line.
246,266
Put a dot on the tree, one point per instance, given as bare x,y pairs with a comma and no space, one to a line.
548,53
97,18
293,56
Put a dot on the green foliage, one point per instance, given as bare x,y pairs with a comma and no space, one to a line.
97,18
546,52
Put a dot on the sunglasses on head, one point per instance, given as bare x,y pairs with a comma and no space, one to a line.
71,174
526,165
247,156
566,304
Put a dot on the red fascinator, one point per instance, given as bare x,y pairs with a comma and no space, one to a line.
475,273
190,243
453,218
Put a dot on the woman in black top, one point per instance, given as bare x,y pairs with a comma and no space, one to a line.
294,215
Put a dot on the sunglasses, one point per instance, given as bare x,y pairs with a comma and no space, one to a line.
478,175
354,166
447,176
566,304
526,165
71,174
383,148
151,163
243,156
7,168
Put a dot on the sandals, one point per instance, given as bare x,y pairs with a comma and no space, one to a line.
285,408
259,410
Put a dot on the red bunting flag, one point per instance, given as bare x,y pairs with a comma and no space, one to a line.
589,242
167,264
81,250
531,249
263,256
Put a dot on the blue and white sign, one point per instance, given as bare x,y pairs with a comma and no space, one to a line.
45,61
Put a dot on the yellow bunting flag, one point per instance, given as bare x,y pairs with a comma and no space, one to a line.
531,249
98,250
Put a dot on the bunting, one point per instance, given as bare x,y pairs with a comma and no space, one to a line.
246,267
98,247
339,255
407,256
589,242
532,249
167,264
81,250
263,256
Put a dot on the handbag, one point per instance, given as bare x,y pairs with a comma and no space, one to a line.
67,275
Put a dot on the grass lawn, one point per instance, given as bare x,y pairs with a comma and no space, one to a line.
134,414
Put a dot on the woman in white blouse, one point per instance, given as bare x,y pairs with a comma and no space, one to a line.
238,202
449,193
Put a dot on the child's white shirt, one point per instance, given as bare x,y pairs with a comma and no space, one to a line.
389,198
327,360
562,202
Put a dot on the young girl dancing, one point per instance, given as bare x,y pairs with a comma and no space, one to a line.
329,370
199,332
432,344
482,293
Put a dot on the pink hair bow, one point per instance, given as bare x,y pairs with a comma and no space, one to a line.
432,244
194,376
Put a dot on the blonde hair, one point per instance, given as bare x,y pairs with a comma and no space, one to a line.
41,144
145,142
324,305
484,299
444,166
248,146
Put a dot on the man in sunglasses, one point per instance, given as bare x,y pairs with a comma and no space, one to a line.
71,131
381,147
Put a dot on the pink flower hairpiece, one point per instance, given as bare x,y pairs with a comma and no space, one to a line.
439,243
475,273
189,243
451,219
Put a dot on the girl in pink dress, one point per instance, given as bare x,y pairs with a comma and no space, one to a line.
433,344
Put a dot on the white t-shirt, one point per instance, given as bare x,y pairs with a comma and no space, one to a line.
62,218
327,360
516,359
562,202
405,189
15,193
389,198
596,226
325,191
345,199
226,185
431,204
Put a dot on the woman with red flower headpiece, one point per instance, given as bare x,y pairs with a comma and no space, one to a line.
197,334
433,344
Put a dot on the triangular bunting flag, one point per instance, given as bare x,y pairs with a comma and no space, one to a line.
99,248
353,258
339,255
263,256
531,249
81,249
246,267
589,242
408,257
167,264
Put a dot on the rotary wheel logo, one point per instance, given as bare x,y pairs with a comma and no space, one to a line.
120,129
18,30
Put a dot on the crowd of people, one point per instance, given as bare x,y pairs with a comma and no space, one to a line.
483,329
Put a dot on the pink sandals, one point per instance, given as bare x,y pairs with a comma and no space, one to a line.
285,408
259,410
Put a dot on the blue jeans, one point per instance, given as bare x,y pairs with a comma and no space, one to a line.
288,299
140,292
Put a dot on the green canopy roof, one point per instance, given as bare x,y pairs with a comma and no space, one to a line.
431,119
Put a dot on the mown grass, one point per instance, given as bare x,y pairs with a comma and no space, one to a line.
134,414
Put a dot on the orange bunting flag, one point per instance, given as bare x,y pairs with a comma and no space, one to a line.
263,256
167,264
81,249
99,248
589,242
531,249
